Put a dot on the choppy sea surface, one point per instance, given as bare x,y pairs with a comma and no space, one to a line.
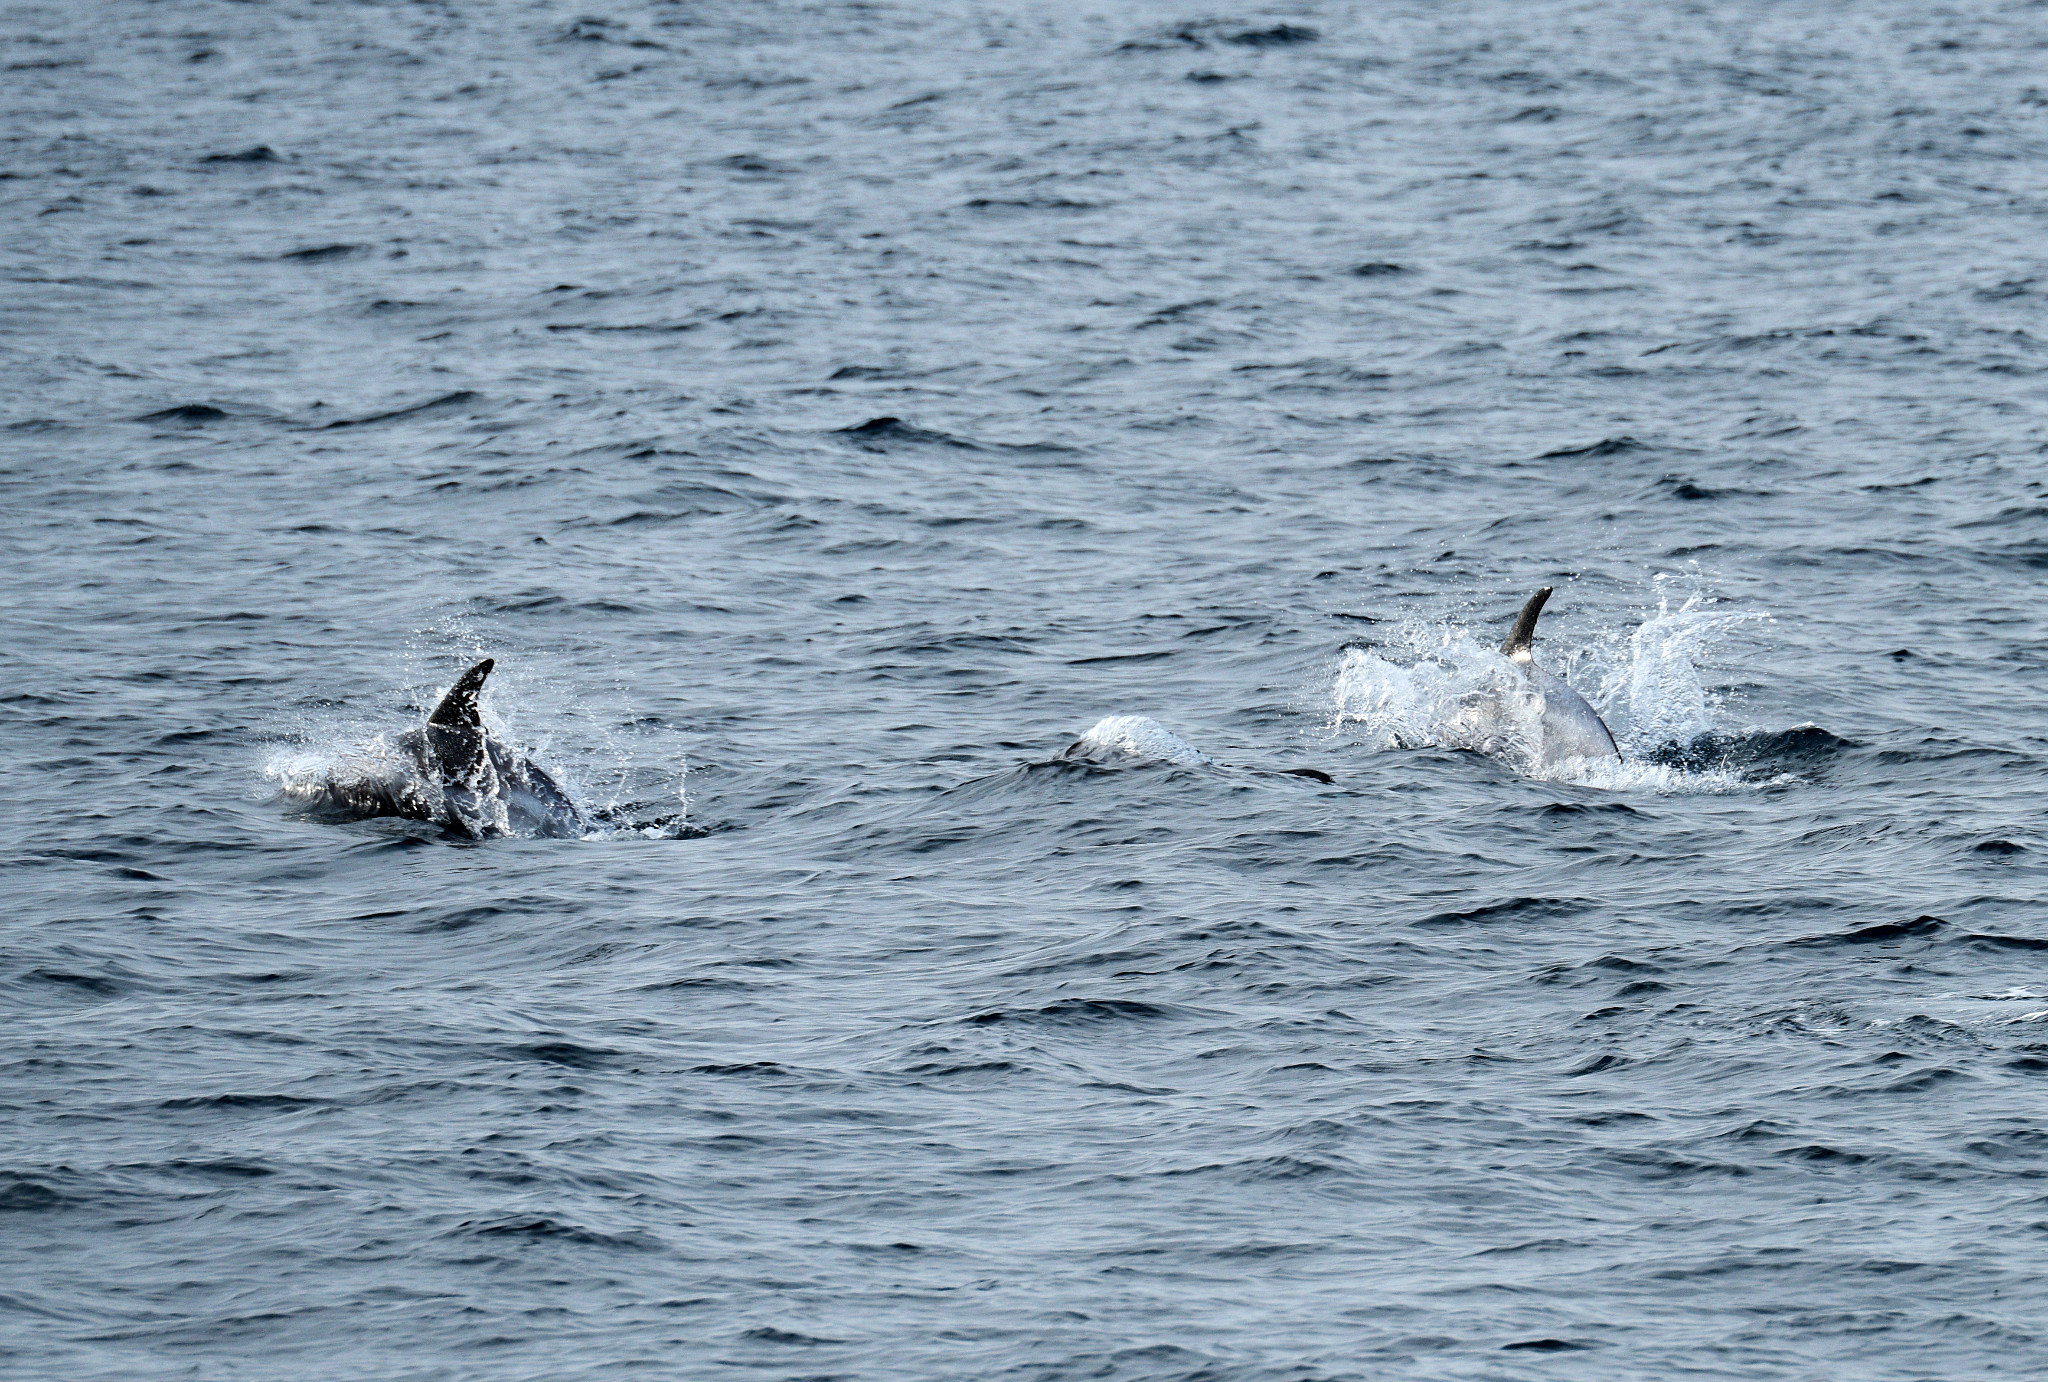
828,414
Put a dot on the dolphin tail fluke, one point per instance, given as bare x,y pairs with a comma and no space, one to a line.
459,707
1524,632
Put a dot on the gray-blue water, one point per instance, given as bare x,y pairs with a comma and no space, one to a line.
1249,369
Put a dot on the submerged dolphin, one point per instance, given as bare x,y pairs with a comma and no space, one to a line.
1569,727
454,772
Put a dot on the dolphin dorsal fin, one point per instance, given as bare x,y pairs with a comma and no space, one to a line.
1524,633
458,707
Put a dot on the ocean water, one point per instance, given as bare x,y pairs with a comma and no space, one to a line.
927,473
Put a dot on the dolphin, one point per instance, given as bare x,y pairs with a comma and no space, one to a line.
1569,727
454,772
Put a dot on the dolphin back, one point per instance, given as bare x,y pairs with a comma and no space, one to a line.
1571,727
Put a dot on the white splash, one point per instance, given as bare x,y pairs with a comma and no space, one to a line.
1135,737
1653,695
302,767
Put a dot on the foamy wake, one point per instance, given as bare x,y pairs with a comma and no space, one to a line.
1424,684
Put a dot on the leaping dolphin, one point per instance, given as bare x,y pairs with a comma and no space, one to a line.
1570,728
453,771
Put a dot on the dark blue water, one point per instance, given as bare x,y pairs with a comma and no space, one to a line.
1248,369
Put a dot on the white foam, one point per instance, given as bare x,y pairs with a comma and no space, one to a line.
1136,737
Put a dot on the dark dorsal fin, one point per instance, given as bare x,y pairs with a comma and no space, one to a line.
458,707
1524,632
